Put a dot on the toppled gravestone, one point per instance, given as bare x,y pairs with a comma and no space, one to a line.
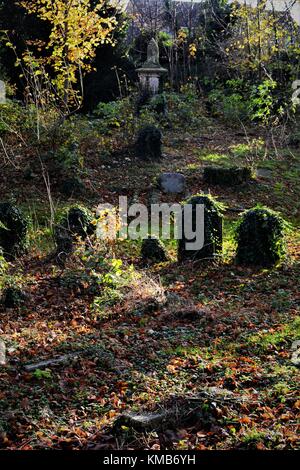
204,407
173,183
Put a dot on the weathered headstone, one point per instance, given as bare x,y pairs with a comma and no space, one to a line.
212,227
153,250
227,176
260,238
149,143
13,230
172,182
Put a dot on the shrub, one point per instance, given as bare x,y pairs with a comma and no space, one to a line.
260,237
13,231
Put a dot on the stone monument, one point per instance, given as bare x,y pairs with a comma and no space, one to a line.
151,70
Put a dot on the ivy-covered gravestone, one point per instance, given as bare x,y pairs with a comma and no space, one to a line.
77,222
211,226
13,231
149,143
153,250
260,237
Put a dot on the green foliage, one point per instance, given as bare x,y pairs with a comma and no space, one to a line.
114,115
40,374
262,102
260,237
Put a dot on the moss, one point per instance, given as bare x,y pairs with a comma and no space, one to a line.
149,143
13,231
260,237
213,229
153,250
227,176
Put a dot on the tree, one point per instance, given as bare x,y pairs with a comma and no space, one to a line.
77,29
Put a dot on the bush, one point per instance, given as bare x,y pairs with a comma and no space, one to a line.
260,237
13,231
213,228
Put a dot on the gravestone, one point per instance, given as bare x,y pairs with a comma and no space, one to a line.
172,182
227,176
212,227
149,143
13,231
260,238
153,250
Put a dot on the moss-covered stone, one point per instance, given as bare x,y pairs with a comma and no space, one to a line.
153,250
260,238
227,176
77,222
149,143
213,229
13,231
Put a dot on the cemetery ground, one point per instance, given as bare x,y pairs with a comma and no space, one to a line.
204,348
